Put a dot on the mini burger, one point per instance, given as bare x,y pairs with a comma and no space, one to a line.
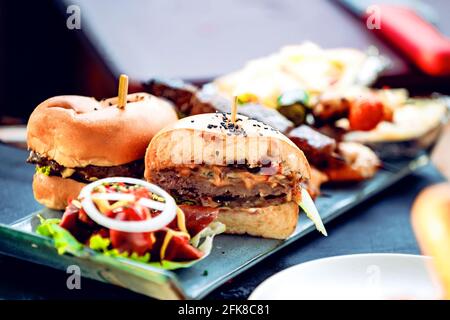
74,140
247,170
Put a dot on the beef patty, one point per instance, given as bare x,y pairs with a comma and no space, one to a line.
89,173
231,186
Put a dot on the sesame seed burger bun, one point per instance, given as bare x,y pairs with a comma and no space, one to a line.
274,222
77,131
211,143
213,140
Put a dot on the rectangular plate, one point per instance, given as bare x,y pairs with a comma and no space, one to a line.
230,256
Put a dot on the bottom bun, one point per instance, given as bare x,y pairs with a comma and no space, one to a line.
54,192
277,222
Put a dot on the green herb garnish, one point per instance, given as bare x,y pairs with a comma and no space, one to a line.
43,170
98,243
64,241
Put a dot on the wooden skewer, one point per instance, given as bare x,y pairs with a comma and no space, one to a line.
234,109
123,91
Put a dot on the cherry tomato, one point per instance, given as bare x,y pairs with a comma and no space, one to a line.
127,241
179,249
197,218
78,223
70,217
141,193
365,113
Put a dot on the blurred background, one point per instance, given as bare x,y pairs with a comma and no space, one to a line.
194,40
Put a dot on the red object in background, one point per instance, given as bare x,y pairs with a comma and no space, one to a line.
417,39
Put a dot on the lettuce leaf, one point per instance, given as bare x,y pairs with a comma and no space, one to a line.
210,231
308,206
43,169
63,240
98,243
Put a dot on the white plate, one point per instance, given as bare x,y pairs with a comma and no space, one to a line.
359,276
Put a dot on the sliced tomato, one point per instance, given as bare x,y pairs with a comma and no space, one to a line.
82,215
141,193
198,217
179,249
126,241
69,218
366,113
80,228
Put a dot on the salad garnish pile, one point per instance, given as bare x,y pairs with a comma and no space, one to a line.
130,218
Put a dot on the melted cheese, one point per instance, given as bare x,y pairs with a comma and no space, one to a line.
118,204
181,221
67,172
102,205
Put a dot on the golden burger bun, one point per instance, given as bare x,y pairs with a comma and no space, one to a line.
77,131
204,139
54,192
276,222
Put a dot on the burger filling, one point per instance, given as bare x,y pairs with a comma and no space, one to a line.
86,174
230,186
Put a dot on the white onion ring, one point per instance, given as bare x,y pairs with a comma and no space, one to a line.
160,221
113,196
152,204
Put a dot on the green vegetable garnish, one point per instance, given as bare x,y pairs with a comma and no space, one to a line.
295,112
43,170
64,241
294,105
98,243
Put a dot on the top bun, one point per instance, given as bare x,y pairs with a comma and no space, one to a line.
77,131
212,139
